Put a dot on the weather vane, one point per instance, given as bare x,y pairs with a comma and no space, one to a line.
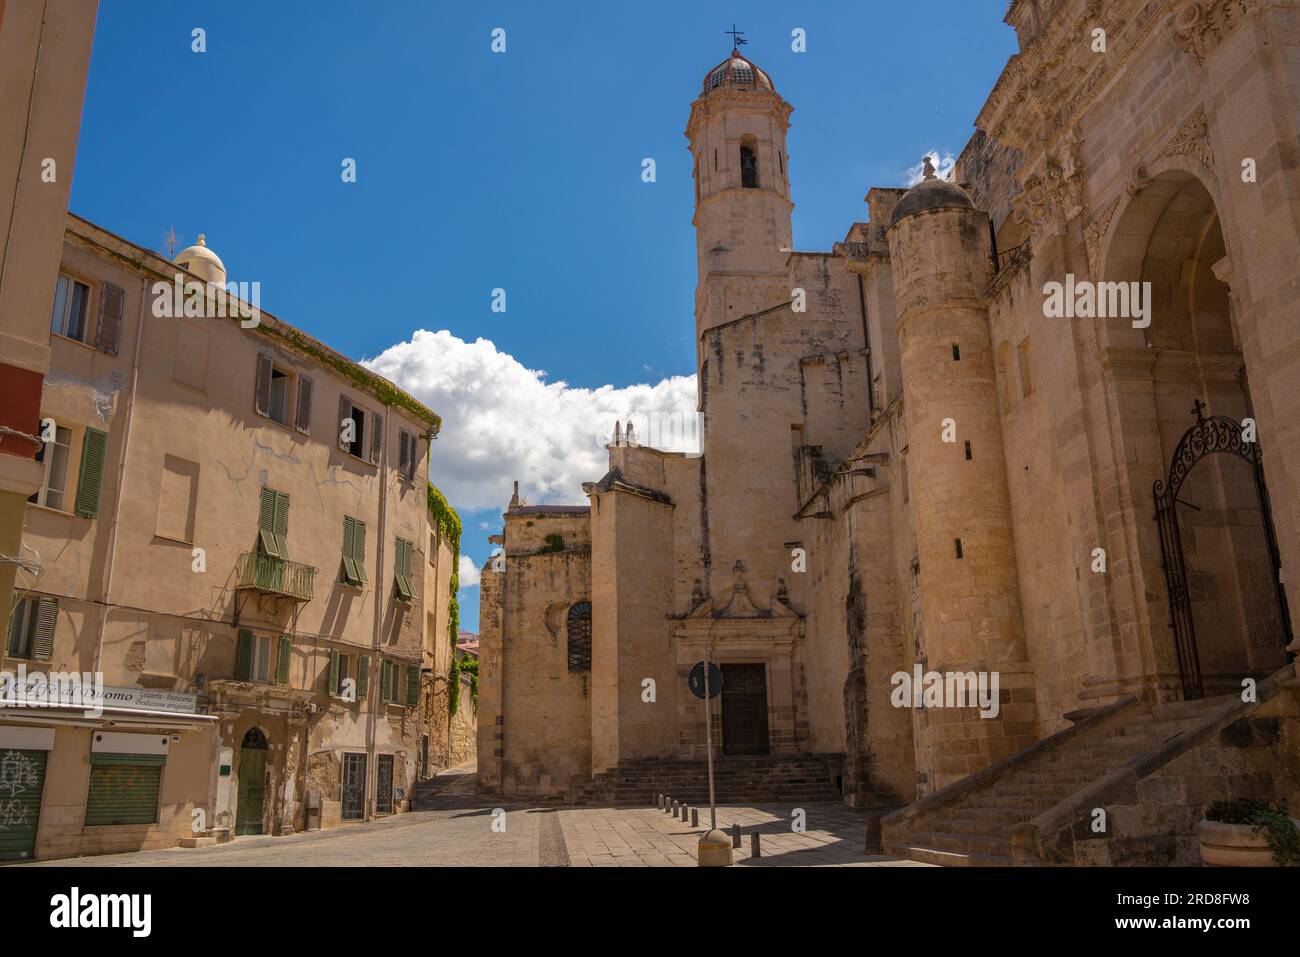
737,38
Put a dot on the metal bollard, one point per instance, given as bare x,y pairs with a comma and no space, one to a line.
754,849
735,835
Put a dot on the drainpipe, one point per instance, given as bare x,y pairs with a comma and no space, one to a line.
866,345
121,478
372,770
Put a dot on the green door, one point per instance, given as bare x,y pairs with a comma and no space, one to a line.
22,776
252,789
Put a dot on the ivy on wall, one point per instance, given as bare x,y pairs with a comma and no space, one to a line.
449,529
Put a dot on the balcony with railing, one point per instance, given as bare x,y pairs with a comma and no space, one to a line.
260,572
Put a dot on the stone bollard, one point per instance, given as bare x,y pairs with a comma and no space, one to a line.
735,835
713,850
659,800
754,849
695,817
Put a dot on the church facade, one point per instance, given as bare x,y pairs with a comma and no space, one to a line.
1031,429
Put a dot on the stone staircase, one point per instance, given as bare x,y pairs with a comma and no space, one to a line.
1052,786
737,780
446,787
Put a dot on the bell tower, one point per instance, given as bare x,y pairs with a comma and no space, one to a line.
737,133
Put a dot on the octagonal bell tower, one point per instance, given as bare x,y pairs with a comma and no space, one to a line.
737,133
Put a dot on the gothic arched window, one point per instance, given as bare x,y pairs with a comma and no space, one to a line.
748,168
580,636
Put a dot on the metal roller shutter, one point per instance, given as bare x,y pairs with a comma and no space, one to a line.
22,777
124,788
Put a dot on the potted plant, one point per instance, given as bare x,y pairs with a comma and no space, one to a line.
1249,832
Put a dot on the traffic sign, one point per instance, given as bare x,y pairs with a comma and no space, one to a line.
696,681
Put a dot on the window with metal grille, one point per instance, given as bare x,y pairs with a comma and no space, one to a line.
580,636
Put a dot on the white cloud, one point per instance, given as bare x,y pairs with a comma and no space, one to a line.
943,168
503,421
469,572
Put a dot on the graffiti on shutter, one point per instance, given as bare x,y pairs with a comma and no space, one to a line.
112,299
262,389
303,418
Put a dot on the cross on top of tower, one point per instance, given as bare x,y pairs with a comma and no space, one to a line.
737,38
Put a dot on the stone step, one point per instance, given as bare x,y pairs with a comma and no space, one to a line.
928,855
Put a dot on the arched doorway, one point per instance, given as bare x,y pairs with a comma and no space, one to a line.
1211,545
1235,553
252,782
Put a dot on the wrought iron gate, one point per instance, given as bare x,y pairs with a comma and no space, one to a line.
1218,433
354,786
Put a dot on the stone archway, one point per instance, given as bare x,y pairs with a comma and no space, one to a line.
250,807
1169,239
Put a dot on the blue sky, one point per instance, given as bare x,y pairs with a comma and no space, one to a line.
519,170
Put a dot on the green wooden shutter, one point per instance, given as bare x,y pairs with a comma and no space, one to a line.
363,676
359,549
412,687
349,563
402,569
94,445
282,665
282,523
244,655
386,681
15,629
123,788
25,780
334,673
47,615
266,524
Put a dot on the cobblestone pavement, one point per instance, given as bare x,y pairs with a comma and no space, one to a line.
458,832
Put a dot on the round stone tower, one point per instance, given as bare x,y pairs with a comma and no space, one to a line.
737,134
941,265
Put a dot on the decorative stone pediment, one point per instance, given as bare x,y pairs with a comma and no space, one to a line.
1201,25
740,604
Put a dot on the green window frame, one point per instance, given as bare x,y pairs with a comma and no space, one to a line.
402,570
273,523
386,681
282,660
90,479
412,686
354,552
363,676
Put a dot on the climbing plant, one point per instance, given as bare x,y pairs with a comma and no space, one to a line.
449,529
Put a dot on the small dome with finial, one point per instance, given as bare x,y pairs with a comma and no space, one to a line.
738,71
931,193
202,262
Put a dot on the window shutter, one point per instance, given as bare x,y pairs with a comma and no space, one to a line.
262,390
376,437
334,673
266,524
303,420
345,413
404,453
412,687
94,445
386,681
359,549
282,666
47,614
112,299
363,676
282,523
244,655
349,565
15,629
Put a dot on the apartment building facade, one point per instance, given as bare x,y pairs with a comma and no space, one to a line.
233,530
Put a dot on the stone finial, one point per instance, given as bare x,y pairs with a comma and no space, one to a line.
929,167
514,499
618,433
631,434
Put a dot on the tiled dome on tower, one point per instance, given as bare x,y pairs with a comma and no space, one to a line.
738,71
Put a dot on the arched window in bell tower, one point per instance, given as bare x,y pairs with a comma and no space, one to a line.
748,163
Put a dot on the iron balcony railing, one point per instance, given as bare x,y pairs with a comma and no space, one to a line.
258,571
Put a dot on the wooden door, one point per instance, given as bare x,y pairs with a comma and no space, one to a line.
744,709
252,790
